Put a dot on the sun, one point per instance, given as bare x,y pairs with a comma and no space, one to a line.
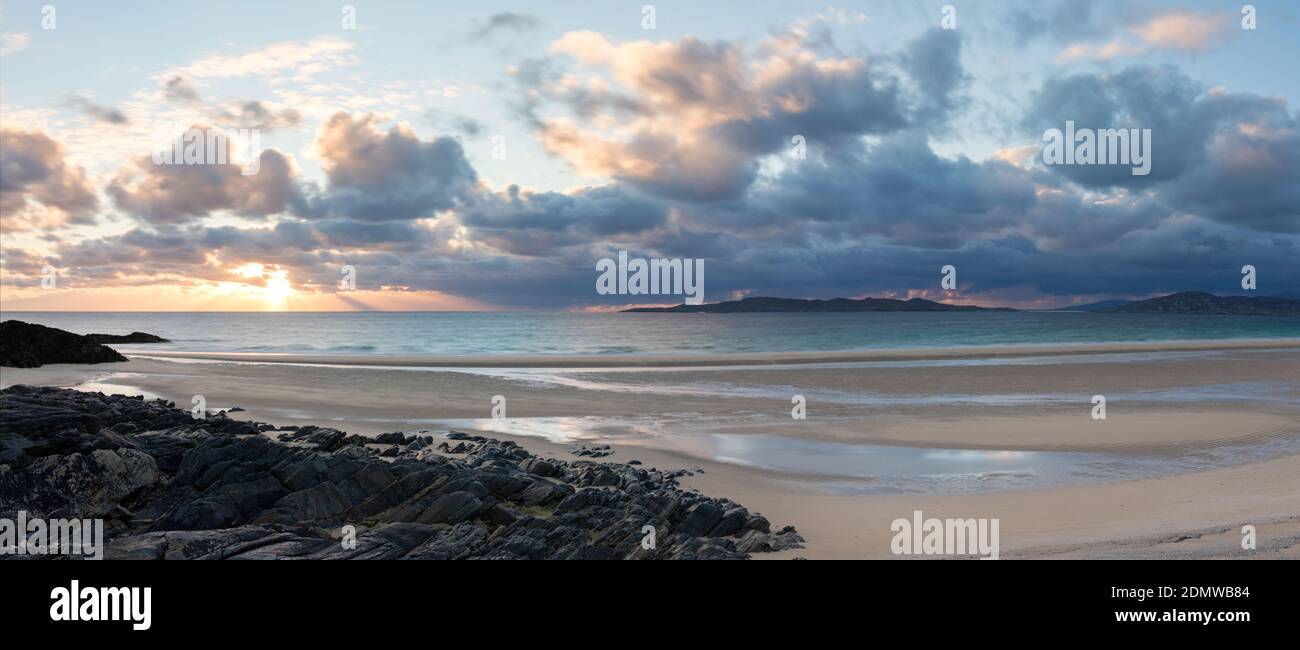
277,289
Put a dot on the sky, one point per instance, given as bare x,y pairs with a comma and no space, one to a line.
486,155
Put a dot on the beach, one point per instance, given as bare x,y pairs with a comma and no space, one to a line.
1200,437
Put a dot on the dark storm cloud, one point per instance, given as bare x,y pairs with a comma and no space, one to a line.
524,222
901,189
1230,157
1161,99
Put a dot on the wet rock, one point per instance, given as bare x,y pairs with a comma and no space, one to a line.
599,451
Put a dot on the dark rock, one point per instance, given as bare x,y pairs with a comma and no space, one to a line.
133,337
27,345
174,487
394,438
539,467
592,452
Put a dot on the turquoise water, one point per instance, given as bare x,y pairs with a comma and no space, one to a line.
428,333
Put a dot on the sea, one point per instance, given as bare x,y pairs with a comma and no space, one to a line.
532,333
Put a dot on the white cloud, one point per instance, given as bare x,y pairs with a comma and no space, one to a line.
11,42
302,59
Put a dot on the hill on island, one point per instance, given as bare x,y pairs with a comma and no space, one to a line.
1199,302
759,304
1188,302
1095,306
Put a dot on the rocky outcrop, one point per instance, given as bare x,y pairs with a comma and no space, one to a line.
26,345
133,337
173,487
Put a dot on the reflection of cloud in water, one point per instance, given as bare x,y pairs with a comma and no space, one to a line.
874,469
883,469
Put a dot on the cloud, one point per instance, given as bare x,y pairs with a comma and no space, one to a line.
1060,21
1184,31
449,121
377,175
899,189
181,193
38,187
686,142
1229,157
515,22
179,89
526,222
299,59
691,120
104,114
14,42
256,115
1171,31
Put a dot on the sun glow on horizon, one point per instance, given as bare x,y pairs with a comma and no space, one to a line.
276,289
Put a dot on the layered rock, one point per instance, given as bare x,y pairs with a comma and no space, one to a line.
173,487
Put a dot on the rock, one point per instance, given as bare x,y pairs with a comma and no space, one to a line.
173,487
27,345
453,508
732,521
79,485
133,337
592,452
394,438
539,467
701,518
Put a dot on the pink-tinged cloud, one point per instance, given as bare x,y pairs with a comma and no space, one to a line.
1186,31
691,119
1177,31
39,189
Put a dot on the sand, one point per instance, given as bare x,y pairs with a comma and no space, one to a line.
893,354
1164,401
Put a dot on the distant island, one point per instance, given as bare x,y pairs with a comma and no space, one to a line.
1187,302
1095,306
1199,302
759,304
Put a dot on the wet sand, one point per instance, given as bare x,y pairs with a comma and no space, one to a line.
591,361
1169,407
